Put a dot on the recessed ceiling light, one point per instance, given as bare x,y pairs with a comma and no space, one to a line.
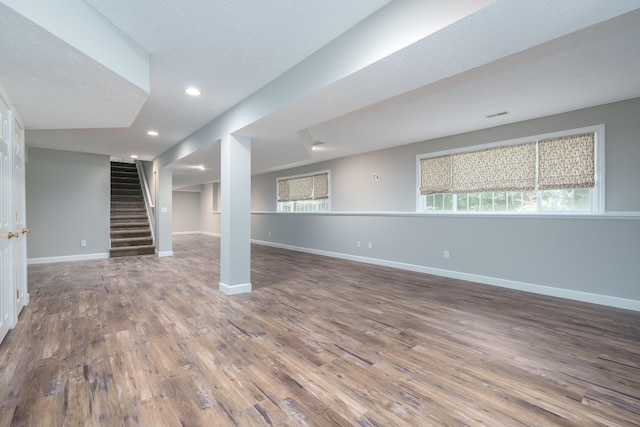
152,133
317,145
193,91
133,156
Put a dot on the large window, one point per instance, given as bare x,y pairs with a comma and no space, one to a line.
304,193
552,173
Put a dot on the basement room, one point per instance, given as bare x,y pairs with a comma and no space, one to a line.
319,213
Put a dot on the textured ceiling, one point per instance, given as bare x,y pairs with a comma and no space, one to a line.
529,58
54,85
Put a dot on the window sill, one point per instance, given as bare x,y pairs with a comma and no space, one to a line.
573,215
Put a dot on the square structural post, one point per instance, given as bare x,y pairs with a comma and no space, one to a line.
235,215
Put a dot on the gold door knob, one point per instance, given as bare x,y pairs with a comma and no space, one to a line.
25,231
12,235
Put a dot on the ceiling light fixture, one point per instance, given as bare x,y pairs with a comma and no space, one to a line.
193,91
133,156
152,133
316,145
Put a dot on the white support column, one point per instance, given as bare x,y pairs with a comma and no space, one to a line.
163,217
235,215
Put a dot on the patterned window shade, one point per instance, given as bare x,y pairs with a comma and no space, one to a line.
435,175
304,188
321,186
567,162
509,168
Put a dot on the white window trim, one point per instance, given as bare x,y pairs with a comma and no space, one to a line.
597,202
327,171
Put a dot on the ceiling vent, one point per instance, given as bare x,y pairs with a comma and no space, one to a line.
502,113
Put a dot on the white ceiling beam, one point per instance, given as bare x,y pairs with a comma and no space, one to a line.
80,25
393,27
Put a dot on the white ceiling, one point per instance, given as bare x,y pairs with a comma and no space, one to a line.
529,58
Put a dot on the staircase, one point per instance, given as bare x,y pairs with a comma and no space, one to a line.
130,232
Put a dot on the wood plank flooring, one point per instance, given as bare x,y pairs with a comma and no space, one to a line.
148,341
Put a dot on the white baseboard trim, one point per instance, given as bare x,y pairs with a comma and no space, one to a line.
611,301
66,258
234,289
160,254
206,233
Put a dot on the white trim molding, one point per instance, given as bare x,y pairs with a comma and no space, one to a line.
161,254
67,258
607,300
180,233
235,289
623,214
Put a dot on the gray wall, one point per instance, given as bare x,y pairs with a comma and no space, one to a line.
209,214
595,255
353,190
163,179
186,211
68,198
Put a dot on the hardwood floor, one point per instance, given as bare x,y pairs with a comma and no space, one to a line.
148,341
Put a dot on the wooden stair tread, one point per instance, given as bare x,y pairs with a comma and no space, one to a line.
133,232
131,224
132,250
127,210
140,215
130,239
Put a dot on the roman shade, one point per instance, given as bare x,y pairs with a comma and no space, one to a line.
311,187
567,162
435,175
508,168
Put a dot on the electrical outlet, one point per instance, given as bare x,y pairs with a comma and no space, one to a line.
269,234
446,254
358,244
83,243
375,177
370,245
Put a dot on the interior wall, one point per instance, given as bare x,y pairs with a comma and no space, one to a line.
163,210
588,257
352,188
209,211
563,256
67,197
186,212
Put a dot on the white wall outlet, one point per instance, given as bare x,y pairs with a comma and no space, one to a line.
269,234
83,243
370,245
358,244
375,177
446,254
164,209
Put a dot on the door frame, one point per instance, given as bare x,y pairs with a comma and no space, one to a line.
20,289
7,304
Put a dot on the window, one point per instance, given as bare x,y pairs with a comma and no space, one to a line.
552,173
304,193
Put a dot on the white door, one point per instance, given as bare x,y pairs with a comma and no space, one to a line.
6,267
19,216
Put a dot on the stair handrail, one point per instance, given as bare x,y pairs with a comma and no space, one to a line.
148,201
